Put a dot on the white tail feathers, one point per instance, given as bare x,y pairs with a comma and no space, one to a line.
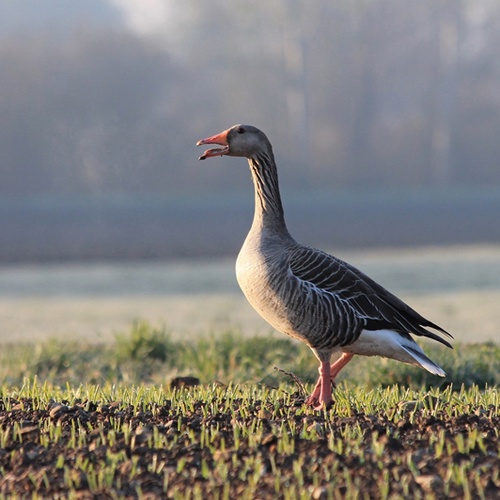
390,344
423,361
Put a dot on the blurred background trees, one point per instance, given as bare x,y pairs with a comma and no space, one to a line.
384,116
365,92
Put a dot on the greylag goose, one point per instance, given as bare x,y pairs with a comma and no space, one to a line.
310,295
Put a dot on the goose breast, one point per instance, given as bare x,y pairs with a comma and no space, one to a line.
292,304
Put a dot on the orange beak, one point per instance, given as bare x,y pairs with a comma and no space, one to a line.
221,140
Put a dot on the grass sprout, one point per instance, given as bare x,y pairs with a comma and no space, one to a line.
99,421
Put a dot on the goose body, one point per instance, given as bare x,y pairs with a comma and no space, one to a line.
311,295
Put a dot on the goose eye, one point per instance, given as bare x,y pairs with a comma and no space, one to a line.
240,130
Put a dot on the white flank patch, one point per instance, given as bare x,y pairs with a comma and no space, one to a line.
389,344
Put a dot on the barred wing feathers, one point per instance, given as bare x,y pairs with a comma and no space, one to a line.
371,303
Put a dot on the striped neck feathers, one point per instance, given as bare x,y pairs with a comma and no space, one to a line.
268,206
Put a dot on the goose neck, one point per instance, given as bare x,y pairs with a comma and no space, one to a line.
268,206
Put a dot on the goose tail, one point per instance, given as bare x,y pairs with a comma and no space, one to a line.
423,361
393,345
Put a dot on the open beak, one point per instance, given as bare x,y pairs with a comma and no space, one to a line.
221,140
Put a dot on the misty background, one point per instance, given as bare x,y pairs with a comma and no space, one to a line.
384,116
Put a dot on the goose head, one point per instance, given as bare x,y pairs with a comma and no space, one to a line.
239,140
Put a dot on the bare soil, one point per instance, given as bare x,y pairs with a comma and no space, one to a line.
409,462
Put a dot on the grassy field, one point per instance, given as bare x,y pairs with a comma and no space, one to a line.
149,415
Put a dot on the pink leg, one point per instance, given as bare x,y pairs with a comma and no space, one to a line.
322,392
339,364
313,398
325,395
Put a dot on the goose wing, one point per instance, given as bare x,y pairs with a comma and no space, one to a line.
378,308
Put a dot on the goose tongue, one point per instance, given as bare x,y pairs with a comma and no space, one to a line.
220,139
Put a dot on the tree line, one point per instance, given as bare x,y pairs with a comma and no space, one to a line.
377,93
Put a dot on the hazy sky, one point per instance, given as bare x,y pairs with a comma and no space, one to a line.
158,19
30,15
147,17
